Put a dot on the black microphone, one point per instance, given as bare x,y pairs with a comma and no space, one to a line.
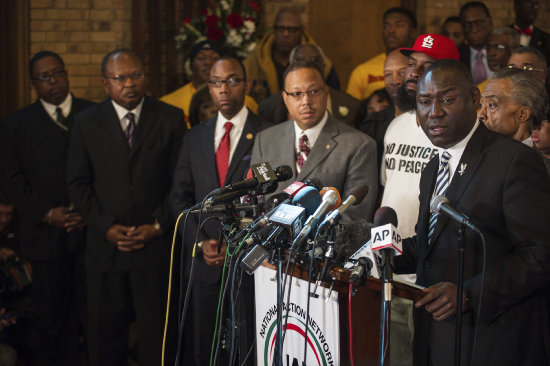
263,175
440,205
359,273
355,197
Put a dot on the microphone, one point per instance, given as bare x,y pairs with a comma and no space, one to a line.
355,197
263,175
338,198
308,198
315,183
222,209
440,205
359,273
328,199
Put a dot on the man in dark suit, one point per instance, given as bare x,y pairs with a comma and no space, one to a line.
33,157
477,24
121,160
526,14
214,153
316,145
504,189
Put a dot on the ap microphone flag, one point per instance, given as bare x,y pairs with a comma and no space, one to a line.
384,233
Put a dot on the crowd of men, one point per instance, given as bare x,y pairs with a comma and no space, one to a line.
90,192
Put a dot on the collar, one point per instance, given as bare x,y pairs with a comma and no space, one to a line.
528,142
122,112
65,106
311,133
527,31
238,120
457,150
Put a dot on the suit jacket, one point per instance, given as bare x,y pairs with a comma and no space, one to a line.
196,176
540,40
344,107
342,157
464,55
505,191
110,183
33,157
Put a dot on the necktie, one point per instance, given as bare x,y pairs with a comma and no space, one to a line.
130,128
222,154
479,73
441,186
303,152
60,118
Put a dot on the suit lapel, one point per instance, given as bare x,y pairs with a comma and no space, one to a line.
147,120
108,118
468,164
323,147
243,146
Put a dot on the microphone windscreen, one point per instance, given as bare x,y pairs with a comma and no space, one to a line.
308,198
315,183
385,215
284,173
338,198
359,193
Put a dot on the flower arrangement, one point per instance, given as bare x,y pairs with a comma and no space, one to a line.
236,32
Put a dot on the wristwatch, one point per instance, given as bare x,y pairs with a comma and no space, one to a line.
156,225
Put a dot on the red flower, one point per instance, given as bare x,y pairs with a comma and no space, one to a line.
214,34
211,20
187,21
235,21
254,6
204,11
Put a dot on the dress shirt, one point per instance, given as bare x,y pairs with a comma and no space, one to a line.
473,54
456,151
65,108
122,112
311,133
524,39
238,122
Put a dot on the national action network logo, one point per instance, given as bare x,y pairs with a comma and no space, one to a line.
318,348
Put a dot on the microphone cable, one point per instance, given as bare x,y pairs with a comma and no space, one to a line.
350,290
484,248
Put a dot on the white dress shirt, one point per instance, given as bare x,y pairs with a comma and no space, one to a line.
238,122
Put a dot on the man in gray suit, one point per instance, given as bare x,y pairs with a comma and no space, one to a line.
315,144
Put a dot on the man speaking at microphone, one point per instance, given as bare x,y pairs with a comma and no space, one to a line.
315,144
213,154
503,188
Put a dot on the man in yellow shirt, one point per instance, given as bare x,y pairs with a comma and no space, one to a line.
399,31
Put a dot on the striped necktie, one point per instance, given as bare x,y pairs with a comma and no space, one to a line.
130,128
303,153
441,186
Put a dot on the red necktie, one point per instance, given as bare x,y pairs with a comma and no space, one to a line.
301,156
528,31
222,154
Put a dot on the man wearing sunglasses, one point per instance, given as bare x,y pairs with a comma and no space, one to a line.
122,156
315,144
33,156
265,66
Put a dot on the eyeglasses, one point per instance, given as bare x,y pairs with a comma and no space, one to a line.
138,75
526,68
231,82
496,47
45,78
313,93
282,29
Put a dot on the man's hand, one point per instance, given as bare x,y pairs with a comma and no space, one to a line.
210,254
62,218
5,253
440,300
119,235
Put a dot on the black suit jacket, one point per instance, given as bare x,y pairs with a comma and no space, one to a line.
505,191
540,40
33,159
110,183
196,176
464,55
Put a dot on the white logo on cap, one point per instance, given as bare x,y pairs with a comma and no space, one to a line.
427,42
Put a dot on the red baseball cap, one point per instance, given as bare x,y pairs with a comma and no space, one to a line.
433,45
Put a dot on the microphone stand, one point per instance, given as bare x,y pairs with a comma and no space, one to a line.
278,356
385,309
461,246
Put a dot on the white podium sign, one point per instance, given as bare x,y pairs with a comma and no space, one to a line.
323,347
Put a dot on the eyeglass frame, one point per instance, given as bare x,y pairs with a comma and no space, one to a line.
45,78
525,68
231,82
138,75
299,95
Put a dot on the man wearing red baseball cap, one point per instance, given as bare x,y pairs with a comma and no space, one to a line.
407,150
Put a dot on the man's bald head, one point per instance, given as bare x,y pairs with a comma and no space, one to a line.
309,53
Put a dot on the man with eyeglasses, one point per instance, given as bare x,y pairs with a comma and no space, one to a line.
266,65
477,24
213,154
526,14
315,144
122,156
529,59
33,157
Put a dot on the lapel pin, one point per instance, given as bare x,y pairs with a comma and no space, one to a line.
462,168
249,136
328,147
